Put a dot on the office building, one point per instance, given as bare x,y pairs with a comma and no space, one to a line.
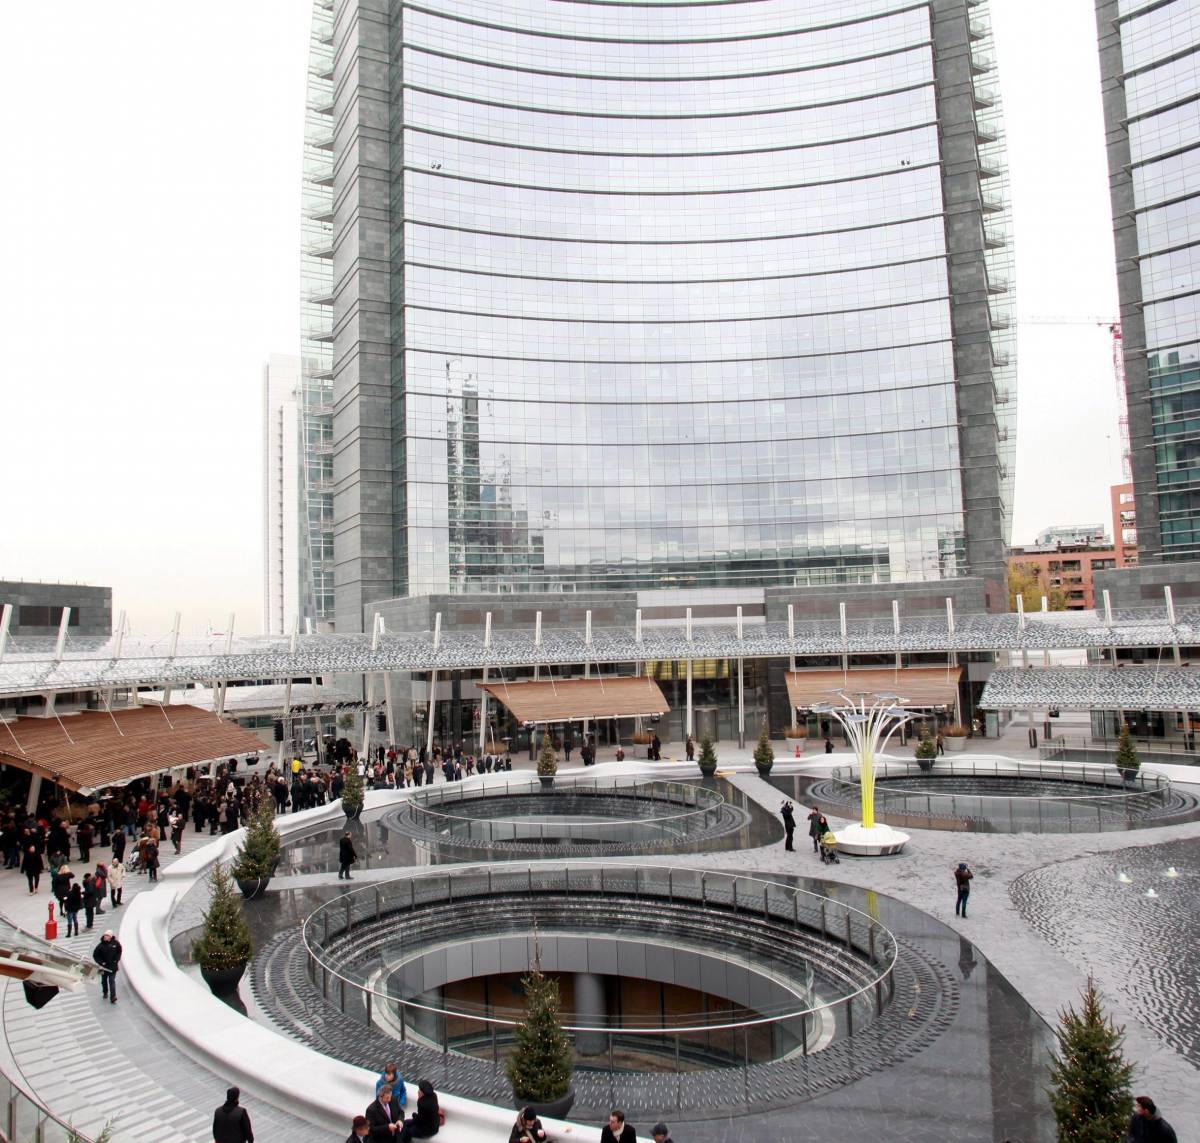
648,297
1151,88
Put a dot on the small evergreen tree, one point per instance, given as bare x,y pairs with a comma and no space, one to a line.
539,1068
1126,756
259,852
352,791
764,756
225,941
926,747
1090,1077
547,763
708,757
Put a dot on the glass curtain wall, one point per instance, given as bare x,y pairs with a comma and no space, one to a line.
670,296
316,326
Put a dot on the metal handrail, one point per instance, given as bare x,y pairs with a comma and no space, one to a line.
1082,772
419,801
1145,745
833,919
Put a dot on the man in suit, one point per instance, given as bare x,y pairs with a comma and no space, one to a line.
384,1115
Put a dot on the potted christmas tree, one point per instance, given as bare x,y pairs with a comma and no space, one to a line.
708,757
352,792
224,946
547,761
1126,759
1089,1075
926,751
258,855
764,756
539,1067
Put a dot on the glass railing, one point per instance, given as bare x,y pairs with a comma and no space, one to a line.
24,1119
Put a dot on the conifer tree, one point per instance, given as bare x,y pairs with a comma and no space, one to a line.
764,756
539,1068
708,756
926,747
225,940
259,852
352,791
1126,757
1090,1077
547,763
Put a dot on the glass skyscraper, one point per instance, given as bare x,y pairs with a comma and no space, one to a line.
1150,69
661,295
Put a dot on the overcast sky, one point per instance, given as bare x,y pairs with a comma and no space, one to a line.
152,209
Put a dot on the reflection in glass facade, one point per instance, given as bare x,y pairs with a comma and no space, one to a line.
670,293
1150,64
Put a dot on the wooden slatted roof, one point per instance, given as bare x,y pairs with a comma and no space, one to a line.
93,748
572,700
919,688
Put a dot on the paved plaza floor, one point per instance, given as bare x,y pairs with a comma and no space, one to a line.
1045,911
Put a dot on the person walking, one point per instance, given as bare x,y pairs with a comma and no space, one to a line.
152,859
60,885
119,841
116,881
89,899
828,744
32,866
84,838
107,954
346,856
359,1127
231,1121
690,749
787,812
962,883
71,908
656,747
1147,1126
941,742
660,1133
814,828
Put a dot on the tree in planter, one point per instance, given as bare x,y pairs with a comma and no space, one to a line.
708,757
1126,759
352,791
539,1067
547,761
764,756
926,751
1090,1077
258,855
225,941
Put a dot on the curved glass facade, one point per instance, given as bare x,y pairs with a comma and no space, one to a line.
670,297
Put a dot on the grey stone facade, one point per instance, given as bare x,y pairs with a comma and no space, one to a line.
37,608
1143,586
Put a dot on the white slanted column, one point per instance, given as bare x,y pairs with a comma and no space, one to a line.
483,714
170,654
368,714
5,624
587,664
1169,600
432,707
741,699
689,729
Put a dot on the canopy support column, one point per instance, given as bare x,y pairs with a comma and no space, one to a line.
432,701
688,728
741,697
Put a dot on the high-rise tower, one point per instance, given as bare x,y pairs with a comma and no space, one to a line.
650,295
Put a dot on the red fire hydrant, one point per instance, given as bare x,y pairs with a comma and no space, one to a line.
51,923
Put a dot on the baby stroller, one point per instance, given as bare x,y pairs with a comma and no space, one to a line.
829,854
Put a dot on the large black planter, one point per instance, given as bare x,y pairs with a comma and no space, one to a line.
222,980
547,781
352,815
708,771
764,771
253,887
556,1109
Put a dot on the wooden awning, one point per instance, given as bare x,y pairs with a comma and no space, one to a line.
93,748
573,700
920,688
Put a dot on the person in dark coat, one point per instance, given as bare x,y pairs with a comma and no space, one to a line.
231,1121
71,907
789,825
107,954
358,1129
616,1130
426,1120
1146,1125
90,899
962,886
118,845
385,1117
346,856
528,1128
814,828
32,866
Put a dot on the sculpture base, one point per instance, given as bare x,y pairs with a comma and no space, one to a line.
877,841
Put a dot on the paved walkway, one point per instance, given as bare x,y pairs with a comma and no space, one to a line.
91,1062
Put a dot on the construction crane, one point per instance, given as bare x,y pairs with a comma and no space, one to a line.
1113,325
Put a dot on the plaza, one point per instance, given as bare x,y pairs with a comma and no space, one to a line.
681,870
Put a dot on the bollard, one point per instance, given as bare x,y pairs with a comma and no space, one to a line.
51,923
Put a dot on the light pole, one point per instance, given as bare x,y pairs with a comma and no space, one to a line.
869,721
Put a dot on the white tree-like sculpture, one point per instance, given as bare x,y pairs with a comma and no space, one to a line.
869,721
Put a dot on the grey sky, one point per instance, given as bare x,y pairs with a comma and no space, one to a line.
153,218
